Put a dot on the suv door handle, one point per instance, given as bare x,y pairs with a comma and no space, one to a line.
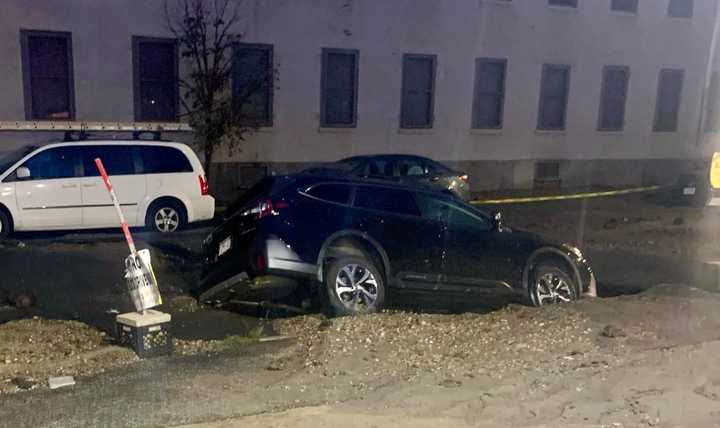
69,186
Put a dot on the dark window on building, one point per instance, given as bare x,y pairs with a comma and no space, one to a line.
667,105
547,171
554,88
53,163
155,77
418,87
117,160
339,88
163,160
48,75
489,93
613,98
712,119
338,193
563,3
680,8
385,199
252,83
624,5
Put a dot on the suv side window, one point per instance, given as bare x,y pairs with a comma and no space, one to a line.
163,160
456,217
59,162
338,193
118,160
394,201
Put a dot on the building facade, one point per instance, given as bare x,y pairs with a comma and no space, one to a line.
514,92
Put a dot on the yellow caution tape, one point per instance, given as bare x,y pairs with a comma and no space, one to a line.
565,197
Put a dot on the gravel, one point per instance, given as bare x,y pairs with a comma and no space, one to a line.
32,350
389,345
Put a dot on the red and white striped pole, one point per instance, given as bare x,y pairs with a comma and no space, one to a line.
123,223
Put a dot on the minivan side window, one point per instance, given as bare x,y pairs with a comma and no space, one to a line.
384,199
338,193
53,163
163,160
117,160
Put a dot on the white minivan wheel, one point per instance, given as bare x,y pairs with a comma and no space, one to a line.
165,216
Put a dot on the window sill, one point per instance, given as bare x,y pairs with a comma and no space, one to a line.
479,131
625,13
343,130
609,131
563,9
550,132
498,2
663,132
416,131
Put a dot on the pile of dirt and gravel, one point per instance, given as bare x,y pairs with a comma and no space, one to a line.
401,345
32,350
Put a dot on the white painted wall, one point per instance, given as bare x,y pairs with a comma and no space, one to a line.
526,32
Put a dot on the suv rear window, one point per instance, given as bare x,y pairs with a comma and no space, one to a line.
163,160
384,199
338,193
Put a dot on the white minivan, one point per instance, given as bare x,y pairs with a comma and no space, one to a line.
160,185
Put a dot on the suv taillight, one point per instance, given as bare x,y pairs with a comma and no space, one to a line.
204,186
267,208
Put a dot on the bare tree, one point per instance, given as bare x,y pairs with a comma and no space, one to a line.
204,31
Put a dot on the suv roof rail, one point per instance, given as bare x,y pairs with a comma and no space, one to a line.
76,130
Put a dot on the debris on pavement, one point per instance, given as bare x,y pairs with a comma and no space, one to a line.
61,381
38,348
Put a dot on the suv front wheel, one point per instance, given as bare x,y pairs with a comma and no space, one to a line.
354,285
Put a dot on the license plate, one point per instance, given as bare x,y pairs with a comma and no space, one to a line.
224,246
689,191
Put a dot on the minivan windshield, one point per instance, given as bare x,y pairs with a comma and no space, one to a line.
10,159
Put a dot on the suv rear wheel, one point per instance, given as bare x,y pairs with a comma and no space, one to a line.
354,285
550,284
165,216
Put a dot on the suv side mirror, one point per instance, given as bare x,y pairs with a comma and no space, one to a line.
23,173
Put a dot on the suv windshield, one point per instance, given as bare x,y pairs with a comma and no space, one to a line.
10,159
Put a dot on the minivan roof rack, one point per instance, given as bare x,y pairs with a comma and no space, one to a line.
75,130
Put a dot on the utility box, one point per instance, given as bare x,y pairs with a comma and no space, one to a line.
147,334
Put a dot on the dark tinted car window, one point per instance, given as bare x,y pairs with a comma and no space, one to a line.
389,200
432,208
163,160
53,163
411,168
338,193
460,218
441,210
378,167
117,160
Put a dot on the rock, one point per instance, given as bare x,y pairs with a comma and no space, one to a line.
24,300
678,221
183,304
612,332
24,382
450,383
610,224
